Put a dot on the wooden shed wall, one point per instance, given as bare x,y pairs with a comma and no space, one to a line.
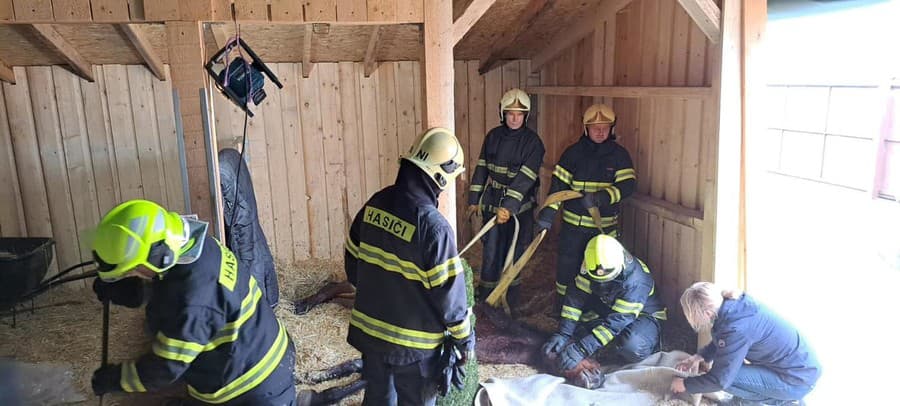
321,146
649,43
70,150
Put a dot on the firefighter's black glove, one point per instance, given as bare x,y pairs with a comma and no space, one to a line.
106,379
555,344
545,219
571,356
451,372
595,199
128,292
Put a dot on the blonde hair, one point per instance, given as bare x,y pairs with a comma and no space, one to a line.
701,303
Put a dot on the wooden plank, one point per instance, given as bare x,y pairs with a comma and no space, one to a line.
163,10
75,143
321,10
388,145
123,132
66,50
381,10
7,74
679,49
690,166
605,11
461,98
705,14
351,10
369,107
674,182
476,106
139,39
136,10
419,96
655,244
251,10
72,10
626,228
661,134
406,105
633,53
28,160
352,135
410,11
221,10
667,276
688,92
648,47
7,11
688,270
294,156
307,50
644,143
314,158
369,62
282,240
493,90
286,10
500,47
697,55
609,56
168,143
110,10
509,77
12,214
257,142
469,17
663,52
147,139
335,175
641,234
103,160
33,10
53,162
202,10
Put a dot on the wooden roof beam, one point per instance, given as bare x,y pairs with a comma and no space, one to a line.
532,10
568,37
69,53
698,92
706,15
307,66
370,63
467,20
7,74
140,42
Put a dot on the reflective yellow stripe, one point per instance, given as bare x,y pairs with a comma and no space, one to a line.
481,162
562,174
498,169
590,315
176,350
488,284
571,313
528,172
555,206
433,277
618,194
461,330
588,222
514,194
644,266
625,307
624,174
560,288
476,188
583,284
661,314
588,186
440,273
351,248
395,334
603,334
251,378
130,381
652,289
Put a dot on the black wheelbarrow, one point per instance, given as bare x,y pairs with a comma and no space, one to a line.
23,265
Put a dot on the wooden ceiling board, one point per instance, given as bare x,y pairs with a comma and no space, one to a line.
548,25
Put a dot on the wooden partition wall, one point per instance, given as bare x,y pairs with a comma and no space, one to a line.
648,43
70,150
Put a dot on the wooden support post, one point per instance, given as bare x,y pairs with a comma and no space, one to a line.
6,73
437,71
307,66
186,60
79,65
143,46
467,20
370,63
705,14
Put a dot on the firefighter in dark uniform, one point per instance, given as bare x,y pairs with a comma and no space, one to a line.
504,182
411,289
599,168
613,302
756,355
212,327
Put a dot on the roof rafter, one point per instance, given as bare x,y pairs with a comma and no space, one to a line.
706,15
467,20
568,37
69,53
140,42
507,40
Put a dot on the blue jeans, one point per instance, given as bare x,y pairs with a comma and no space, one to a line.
762,384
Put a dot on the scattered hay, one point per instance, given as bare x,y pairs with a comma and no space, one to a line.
505,371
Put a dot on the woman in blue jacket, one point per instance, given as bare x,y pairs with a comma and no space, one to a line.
781,367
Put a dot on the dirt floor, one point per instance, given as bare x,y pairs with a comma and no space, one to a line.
65,328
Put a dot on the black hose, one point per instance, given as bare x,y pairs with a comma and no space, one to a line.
45,286
67,270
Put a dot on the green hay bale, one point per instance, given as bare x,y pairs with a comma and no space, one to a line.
466,396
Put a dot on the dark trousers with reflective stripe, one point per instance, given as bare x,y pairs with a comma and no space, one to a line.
496,245
637,341
390,385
